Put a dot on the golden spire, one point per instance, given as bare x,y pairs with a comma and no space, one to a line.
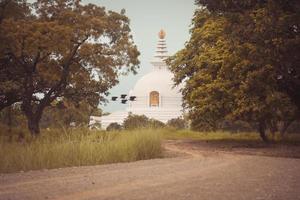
162,34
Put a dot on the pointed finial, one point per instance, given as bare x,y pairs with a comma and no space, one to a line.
162,34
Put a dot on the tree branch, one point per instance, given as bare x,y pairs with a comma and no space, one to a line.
57,89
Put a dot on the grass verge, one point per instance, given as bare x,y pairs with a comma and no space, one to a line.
78,148
225,136
218,135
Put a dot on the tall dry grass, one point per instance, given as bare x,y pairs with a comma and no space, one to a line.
55,149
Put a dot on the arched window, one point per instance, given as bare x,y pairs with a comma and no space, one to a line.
154,99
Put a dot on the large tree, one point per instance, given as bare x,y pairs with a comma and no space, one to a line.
272,25
241,63
10,84
63,49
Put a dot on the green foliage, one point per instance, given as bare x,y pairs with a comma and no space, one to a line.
223,136
140,122
114,127
177,123
209,135
64,113
78,147
155,124
135,122
51,53
241,63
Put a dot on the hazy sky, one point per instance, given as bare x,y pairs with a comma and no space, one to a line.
146,19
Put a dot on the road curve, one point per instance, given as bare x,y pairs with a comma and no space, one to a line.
193,175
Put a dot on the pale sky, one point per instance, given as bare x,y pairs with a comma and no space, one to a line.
146,19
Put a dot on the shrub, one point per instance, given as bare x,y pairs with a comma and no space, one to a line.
114,127
156,124
141,121
136,122
177,123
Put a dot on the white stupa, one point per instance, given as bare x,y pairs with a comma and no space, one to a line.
154,93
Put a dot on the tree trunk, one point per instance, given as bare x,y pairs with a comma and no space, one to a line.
262,131
33,115
9,119
33,123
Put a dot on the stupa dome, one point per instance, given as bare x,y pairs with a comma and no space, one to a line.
153,95
156,80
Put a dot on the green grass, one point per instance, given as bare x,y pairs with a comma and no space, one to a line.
218,135
55,149
223,135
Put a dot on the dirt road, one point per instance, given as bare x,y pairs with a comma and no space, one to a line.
194,175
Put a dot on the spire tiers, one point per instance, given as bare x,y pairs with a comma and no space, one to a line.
161,52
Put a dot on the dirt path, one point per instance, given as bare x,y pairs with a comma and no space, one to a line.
194,174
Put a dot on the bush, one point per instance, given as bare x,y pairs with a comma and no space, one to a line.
114,127
140,122
135,122
156,124
177,123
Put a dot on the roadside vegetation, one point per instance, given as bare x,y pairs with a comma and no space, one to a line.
76,147
170,134
58,148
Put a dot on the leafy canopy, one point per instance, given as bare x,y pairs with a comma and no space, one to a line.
241,63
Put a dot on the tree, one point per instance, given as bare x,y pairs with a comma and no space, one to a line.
9,76
240,56
16,9
64,49
274,27
177,123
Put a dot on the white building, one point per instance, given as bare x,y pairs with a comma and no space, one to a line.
154,93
